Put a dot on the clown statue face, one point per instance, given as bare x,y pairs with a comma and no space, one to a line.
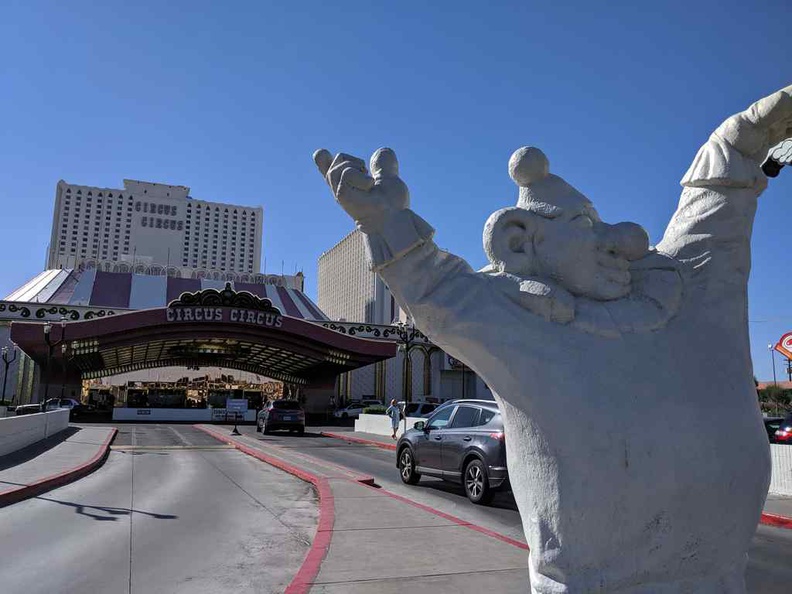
556,234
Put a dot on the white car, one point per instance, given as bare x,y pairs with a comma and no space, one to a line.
418,409
75,408
353,409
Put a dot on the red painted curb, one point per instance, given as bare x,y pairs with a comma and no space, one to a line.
58,480
776,520
303,580
352,439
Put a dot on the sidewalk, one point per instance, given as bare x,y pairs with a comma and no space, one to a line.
53,462
371,540
380,441
777,509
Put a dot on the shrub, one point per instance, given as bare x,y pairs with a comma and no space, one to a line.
374,410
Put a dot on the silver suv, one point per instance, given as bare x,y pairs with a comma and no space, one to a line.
462,442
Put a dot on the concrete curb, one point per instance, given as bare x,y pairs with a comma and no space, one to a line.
58,480
353,439
767,519
303,580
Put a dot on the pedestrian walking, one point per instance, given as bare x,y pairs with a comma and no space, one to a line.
394,412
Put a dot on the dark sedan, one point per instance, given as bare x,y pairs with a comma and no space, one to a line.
462,442
281,414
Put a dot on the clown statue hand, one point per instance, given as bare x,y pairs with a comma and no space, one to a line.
372,200
369,199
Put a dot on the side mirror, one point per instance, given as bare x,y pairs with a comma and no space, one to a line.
420,425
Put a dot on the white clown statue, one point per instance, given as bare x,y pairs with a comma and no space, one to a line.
578,319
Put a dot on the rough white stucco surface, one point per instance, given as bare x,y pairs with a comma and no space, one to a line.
574,314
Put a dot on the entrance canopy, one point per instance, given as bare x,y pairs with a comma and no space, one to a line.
237,330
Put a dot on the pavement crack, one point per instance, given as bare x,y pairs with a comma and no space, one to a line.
417,576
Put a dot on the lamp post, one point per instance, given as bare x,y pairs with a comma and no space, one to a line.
50,345
406,334
6,363
772,357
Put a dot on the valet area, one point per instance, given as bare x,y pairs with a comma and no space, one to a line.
146,344
157,357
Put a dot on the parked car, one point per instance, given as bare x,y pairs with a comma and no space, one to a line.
27,409
281,414
463,442
75,408
771,426
353,409
784,432
418,409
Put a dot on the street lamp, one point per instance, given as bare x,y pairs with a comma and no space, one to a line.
50,345
7,362
406,335
772,357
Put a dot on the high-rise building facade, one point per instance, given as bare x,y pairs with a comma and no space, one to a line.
348,291
154,225
347,288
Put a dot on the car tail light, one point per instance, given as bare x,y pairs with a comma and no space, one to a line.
784,432
499,435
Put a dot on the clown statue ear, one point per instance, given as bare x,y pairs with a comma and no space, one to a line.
508,240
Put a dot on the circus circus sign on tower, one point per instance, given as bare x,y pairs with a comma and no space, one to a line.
784,345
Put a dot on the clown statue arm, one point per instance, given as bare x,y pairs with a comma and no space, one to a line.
711,229
445,297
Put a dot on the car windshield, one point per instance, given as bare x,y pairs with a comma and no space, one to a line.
286,404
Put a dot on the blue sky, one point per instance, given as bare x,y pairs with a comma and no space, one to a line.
232,98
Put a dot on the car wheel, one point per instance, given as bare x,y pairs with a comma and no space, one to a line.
407,467
265,429
476,483
300,430
344,416
259,426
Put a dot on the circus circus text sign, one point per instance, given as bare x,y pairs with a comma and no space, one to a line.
223,314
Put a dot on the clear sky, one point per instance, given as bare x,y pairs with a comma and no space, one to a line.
232,98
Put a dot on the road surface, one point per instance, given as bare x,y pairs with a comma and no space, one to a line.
170,511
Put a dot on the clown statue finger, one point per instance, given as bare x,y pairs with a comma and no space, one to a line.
573,314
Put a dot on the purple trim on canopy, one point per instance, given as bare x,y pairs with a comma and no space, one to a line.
177,286
64,293
111,289
260,290
291,309
317,315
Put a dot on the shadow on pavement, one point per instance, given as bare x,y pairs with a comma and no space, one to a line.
28,453
113,513
502,500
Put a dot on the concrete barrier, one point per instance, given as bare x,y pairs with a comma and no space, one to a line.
381,424
781,483
194,415
19,432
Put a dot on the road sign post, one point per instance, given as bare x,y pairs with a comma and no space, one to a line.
237,406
